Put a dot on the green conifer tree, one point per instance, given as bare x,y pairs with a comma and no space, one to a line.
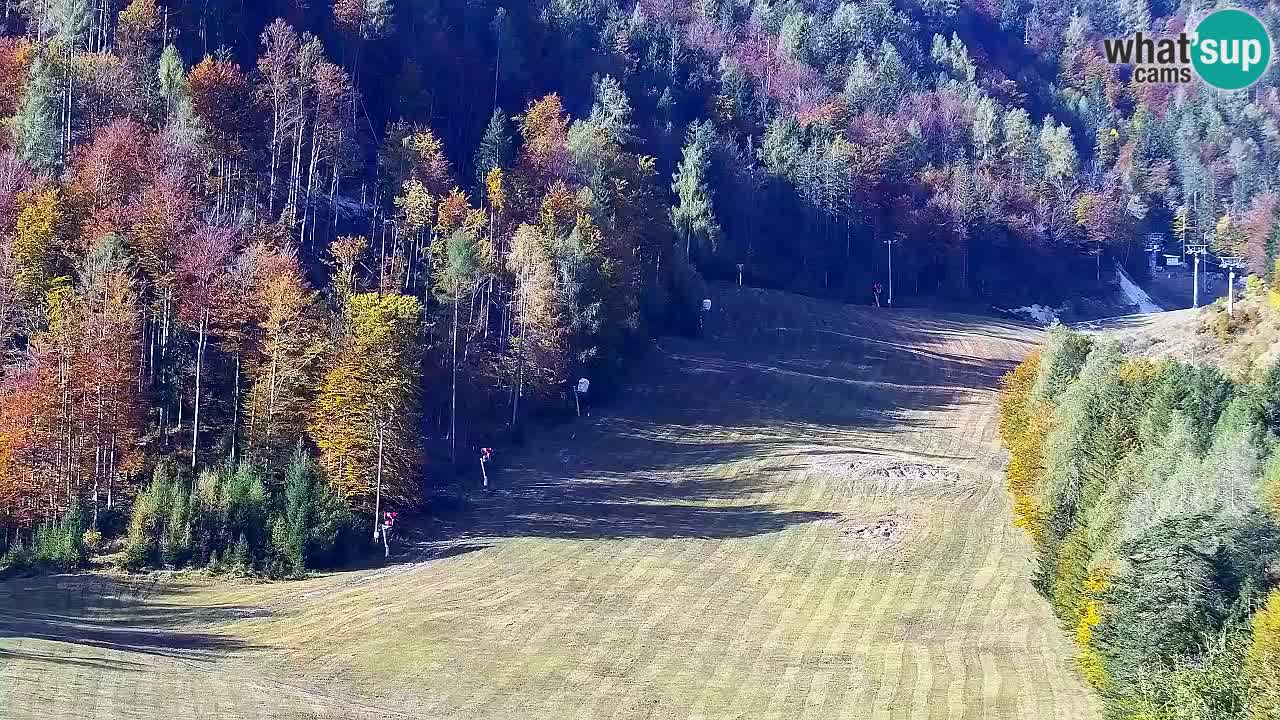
172,77
36,123
694,216
611,112
496,149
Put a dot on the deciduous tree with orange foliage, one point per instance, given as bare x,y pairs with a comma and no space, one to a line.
224,102
544,126
286,344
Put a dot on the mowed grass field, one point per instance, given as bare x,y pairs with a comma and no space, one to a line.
801,516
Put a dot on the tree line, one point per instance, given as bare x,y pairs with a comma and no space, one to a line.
1150,489
190,292
229,228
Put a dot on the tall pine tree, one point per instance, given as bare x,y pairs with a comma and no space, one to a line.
36,122
693,215
496,149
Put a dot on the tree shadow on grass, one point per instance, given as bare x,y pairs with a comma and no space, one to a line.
111,614
419,542
441,552
610,498
122,637
710,430
614,520
88,663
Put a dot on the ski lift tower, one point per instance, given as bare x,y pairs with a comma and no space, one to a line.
1155,243
893,239
1231,263
1097,264
1196,250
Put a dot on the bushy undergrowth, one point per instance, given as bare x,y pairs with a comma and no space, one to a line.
1224,327
1151,492
53,547
233,520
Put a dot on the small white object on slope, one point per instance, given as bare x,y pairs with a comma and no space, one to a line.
1136,295
1041,314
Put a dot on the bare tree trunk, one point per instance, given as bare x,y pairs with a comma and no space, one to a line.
277,130
235,411
291,208
377,498
675,42
453,400
519,387
195,418
333,202
64,371
98,452
311,180
271,394
66,148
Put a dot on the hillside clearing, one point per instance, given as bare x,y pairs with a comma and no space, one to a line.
803,516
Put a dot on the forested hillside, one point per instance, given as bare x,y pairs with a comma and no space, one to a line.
1151,490
235,236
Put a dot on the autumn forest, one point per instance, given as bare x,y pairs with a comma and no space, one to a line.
259,260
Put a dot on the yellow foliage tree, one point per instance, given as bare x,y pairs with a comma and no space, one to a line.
559,208
138,26
35,248
545,128
540,351
286,331
365,419
1089,615
1024,424
1181,224
430,163
1273,295
496,191
1262,666
416,205
345,253
1228,237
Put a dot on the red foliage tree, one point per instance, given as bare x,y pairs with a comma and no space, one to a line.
1259,222
204,290
225,102
113,166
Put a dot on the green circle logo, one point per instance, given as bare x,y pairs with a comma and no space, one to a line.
1232,49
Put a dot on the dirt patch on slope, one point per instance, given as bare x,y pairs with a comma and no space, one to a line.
879,534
